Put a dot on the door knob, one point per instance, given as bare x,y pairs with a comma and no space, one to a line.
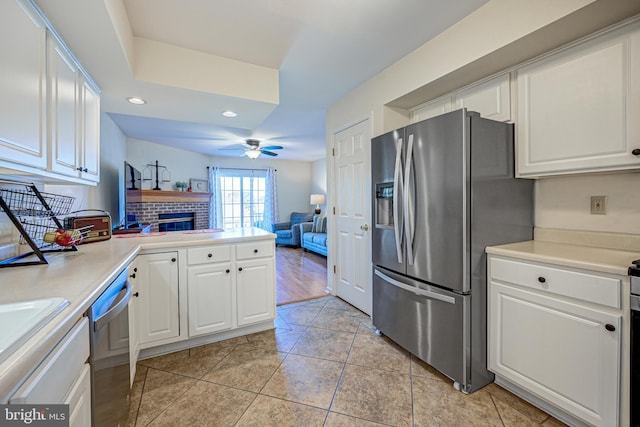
364,227
636,152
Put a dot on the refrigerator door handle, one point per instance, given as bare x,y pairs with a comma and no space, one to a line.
408,203
397,185
412,289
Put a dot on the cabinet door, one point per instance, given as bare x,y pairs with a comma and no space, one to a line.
22,86
577,110
492,99
158,310
63,110
90,133
134,323
210,298
566,353
431,109
255,290
79,399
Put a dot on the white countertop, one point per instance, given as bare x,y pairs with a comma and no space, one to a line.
603,252
80,277
602,260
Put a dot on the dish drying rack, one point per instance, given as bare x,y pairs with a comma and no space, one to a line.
35,215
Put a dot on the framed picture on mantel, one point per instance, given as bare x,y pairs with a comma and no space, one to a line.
199,185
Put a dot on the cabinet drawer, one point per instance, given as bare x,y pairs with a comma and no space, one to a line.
251,250
584,286
56,374
208,254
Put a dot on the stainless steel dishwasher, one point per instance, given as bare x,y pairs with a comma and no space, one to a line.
109,338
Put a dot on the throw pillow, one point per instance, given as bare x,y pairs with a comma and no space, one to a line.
317,225
324,225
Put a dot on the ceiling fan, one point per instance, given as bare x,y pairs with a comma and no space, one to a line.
253,149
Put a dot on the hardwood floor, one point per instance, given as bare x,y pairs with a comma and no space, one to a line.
299,275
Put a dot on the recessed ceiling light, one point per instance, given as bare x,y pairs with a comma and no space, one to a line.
136,100
229,113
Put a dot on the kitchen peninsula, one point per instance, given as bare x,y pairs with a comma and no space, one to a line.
245,258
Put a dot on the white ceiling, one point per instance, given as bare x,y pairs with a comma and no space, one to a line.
316,51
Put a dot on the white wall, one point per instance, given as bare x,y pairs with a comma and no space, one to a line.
109,194
319,180
293,179
181,165
565,202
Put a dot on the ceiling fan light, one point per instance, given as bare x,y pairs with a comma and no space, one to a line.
252,154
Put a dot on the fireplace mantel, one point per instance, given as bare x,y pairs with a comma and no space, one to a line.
156,196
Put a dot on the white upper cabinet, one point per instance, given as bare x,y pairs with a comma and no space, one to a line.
74,117
50,112
22,86
431,109
577,109
492,99
89,151
63,111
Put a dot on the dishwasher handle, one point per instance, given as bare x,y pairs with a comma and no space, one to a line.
122,301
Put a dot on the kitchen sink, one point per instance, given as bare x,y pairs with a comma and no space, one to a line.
21,320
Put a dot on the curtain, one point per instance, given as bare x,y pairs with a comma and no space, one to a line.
215,203
270,215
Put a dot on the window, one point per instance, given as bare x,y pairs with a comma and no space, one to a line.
242,198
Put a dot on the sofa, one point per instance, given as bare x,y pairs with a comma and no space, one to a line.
288,233
313,235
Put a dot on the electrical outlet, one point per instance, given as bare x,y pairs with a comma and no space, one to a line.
599,205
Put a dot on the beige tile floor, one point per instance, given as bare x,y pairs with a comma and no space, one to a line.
321,366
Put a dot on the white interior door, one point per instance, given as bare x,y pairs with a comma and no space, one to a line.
352,166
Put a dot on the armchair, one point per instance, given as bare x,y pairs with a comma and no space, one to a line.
288,233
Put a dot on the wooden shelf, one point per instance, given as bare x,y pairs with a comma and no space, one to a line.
155,196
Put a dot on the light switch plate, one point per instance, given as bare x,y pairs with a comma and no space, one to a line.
598,205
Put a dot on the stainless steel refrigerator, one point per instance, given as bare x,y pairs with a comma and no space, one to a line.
444,189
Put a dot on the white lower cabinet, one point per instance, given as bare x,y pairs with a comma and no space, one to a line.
63,377
134,334
79,399
256,296
210,298
563,349
228,287
158,308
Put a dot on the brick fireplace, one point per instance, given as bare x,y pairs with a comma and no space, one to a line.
150,204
